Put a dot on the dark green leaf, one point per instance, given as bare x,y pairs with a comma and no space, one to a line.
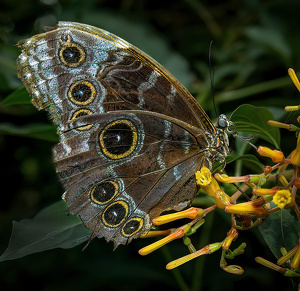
18,97
35,130
280,229
252,119
50,228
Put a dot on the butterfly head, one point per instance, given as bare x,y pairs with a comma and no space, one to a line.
219,144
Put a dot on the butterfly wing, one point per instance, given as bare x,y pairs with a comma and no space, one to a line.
131,136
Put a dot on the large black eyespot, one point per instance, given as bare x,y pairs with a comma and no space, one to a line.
132,226
82,92
119,139
82,112
104,192
71,53
114,214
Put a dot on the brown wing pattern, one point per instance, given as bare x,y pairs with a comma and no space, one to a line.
131,136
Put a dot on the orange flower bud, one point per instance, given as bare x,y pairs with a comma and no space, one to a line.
265,191
232,235
178,233
190,213
276,156
252,207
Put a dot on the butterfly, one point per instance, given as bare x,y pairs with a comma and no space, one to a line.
131,135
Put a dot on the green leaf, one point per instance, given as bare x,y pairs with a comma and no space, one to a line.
252,119
18,97
35,130
50,228
280,229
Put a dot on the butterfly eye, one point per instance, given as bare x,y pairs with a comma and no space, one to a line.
114,214
119,139
132,226
82,92
71,54
223,121
104,192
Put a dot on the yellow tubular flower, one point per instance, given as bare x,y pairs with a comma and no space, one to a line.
295,155
226,179
253,207
282,198
207,182
222,199
265,191
276,156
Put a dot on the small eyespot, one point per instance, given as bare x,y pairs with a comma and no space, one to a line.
104,192
132,226
119,139
71,53
82,92
80,113
114,214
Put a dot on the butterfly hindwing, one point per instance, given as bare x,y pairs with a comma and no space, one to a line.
154,174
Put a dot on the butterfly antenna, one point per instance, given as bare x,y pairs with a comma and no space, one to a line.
212,76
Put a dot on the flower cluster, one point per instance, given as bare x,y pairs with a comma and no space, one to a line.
262,203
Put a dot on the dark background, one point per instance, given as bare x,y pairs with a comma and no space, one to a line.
255,42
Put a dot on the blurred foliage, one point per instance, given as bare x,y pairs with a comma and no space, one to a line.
255,42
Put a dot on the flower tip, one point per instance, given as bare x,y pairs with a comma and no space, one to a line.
234,269
294,78
282,198
275,155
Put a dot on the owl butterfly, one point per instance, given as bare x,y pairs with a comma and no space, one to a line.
131,136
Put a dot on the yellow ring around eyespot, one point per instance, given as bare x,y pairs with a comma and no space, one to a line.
102,203
67,44
140,220
89,100
86,112
124,204
132,147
